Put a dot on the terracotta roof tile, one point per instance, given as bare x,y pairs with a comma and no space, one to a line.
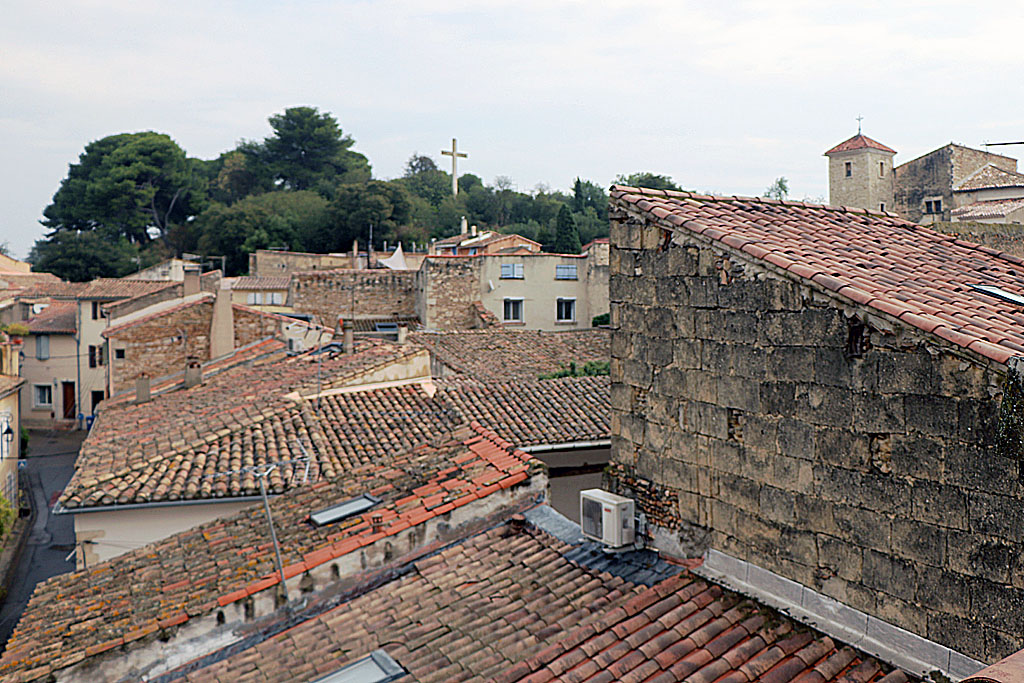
992,208
60,317
261,282
887,264
990,176
108,288
196,571
502,354
859,141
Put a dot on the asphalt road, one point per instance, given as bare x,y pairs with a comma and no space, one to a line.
49,465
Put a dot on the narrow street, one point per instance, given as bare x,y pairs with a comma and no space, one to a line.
49,465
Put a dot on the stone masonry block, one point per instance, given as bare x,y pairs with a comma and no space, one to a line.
793,474
921,543
944,591
841,448
939,504
917,456
777,505
1003,606
932,415
815,514
865,528
725,325
958,633
824,405
796,439
979,468
842,558
992,515
737,392
889,575
875,413
790,363
778,398
994,559
704,418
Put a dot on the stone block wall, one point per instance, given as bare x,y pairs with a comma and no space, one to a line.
448,288
1007,238
353,294
752,414
162,346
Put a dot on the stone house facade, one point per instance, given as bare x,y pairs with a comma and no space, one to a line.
535,291
346,293
817,392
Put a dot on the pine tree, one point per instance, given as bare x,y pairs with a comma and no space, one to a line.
567,237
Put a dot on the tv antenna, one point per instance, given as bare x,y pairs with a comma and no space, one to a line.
261,472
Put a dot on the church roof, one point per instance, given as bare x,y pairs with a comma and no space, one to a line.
990,176
859,141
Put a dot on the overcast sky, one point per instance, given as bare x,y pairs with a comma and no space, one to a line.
722,96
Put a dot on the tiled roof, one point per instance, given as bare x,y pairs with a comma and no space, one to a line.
870,259
128,441
1007,670
499,354
516,604
194,573
259,352
60,317
114,288
859,141
990,176
370,324
15,279
261,282
479,240
58,289
566,410
114,330
993,208
351,429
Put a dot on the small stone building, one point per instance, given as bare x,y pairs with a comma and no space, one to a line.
816,393
860,173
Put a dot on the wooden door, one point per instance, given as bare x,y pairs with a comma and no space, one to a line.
68,399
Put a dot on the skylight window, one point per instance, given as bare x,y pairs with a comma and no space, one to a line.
998,293
342,510
377,667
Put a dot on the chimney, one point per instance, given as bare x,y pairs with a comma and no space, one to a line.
193,373
463,226
142,388
222,324
191,284
472,231
355,254
403,331
348,342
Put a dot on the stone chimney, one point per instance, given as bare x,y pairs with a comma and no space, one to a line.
193,373
463,226
191,284
348,343
142,389
403,331
222,324
355,254
472,231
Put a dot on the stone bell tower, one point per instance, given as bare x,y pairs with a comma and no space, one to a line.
860,174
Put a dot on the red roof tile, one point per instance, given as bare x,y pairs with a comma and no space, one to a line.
891,266
60,317
990,176
515,604
195,572
260,283
108,288
859,141
992,208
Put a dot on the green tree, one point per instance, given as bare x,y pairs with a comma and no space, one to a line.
134,185
647,179
779,189
383,205
419,163
307,148
423,179
587,194
293,220
567,237
82,255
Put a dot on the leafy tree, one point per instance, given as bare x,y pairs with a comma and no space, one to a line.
567,237
307,147
82,255
646,179
134,185
294,220
234,178
385,206
419,163
587,194
779,189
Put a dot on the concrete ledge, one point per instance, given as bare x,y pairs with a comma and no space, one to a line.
889,643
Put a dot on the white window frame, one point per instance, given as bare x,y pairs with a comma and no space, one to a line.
567,271
42,347
505,309
558,309
512,271
275,298
35,396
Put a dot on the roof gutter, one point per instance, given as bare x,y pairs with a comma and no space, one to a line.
567,446
59,508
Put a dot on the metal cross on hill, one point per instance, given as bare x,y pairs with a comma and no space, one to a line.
454,154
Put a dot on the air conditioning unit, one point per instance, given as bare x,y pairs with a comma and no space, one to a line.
607,518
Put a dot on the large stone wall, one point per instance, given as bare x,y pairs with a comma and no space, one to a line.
163,345
741,420
1007,238
353,294
447,289
935,174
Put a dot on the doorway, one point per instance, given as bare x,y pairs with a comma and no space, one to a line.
68,400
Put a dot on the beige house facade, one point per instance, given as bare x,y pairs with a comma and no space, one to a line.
10,422
50,368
